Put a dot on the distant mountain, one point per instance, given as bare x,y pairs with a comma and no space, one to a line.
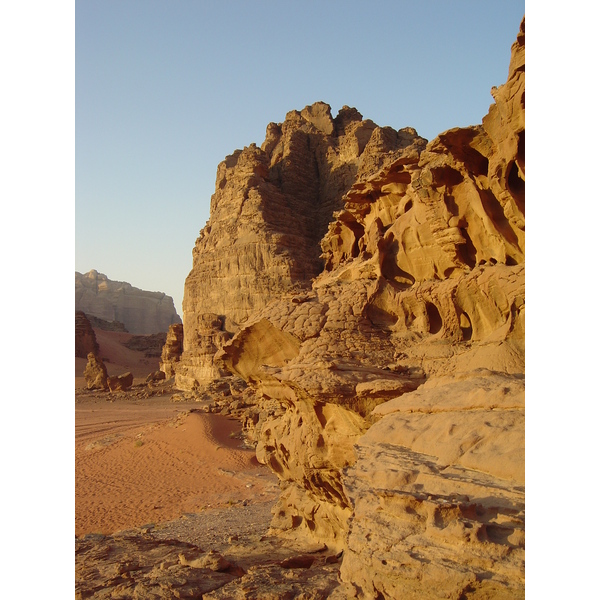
141,312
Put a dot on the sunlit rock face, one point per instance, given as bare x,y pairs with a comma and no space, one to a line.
171,351
384,339
270,209
142,312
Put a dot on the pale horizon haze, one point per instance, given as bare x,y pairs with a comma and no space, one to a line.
164,91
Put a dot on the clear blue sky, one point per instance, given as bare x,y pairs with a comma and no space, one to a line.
166,89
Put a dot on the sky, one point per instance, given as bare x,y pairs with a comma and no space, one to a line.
165,90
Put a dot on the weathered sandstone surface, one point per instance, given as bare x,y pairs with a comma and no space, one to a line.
96,376
141,312
271,207
369,288
138,564
172,350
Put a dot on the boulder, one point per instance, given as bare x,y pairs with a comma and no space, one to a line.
120,382
156,376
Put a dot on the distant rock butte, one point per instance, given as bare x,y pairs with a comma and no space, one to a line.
369,287
140,311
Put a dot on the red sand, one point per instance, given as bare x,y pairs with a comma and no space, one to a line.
140,463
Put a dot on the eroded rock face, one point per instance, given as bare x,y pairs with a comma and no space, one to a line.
85,338
172,349
269,211
390,392
141,312
96,376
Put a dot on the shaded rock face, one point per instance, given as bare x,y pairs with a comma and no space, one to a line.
390,390
85,338
105,325
140,311
151,345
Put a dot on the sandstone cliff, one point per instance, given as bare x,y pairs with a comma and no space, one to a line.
270,209
85,338
140,311
370,289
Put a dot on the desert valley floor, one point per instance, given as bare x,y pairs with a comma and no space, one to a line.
169,502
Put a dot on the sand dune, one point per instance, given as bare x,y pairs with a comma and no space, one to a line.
152,461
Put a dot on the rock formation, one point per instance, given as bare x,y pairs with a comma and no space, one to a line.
120,382
172,349
96,376
140,311
270,209
370,289
85,338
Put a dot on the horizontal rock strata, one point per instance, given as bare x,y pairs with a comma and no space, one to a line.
140,311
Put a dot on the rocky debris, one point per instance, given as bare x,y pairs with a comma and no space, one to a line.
205,560
85,338
120,382
141,312
171,350
274,582
96,376
137,566
227,530
151,345
137,391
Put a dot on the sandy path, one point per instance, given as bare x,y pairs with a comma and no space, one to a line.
150,461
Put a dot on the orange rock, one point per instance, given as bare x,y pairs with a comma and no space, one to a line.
120,382
95,373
